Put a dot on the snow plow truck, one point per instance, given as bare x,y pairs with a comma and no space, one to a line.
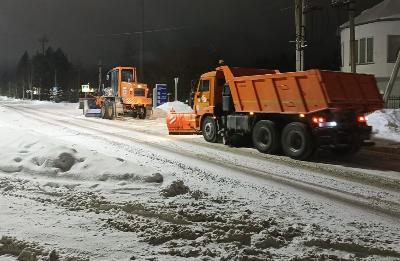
124,95
295,113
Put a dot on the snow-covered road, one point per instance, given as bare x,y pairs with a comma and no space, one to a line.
115,190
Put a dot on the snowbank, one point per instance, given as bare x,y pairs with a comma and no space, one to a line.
9,100
14,100
386,124
177,106
43,156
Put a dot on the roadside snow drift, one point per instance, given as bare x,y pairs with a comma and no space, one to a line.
176,106
386,124
40,155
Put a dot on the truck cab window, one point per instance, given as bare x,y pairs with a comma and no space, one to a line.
114,82
127,75
204,86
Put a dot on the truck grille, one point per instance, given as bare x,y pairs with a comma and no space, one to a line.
139,92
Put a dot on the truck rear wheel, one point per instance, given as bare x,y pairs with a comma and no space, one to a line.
266,137
110,110
297,141
209,130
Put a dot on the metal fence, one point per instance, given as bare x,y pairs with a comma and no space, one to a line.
393,102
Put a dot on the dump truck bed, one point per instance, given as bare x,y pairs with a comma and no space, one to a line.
302,92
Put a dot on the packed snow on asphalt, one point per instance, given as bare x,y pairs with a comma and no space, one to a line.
76,188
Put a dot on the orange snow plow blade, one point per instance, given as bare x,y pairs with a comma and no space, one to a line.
182,123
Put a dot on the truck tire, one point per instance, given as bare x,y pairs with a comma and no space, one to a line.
142,113
103,111
110,110
209,130
266,137
297,142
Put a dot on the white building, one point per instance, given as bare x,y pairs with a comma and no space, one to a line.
377,41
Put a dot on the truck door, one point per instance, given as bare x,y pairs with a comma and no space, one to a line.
127,83
202,98
114,83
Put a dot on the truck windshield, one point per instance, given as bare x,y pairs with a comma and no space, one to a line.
204,86
127,75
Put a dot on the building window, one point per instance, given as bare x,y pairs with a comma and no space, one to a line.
362,49
393,47
370,50
365,51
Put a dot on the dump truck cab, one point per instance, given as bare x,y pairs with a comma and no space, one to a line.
207,98
124,94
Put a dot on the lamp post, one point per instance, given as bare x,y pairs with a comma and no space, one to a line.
176,88
141,55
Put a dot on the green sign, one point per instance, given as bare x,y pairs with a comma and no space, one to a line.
86,88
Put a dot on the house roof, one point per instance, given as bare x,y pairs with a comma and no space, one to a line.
387,10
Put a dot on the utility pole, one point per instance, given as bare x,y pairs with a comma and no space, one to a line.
43,41
30,77
352,11
351,8
300,33
176,88
100,74
55,78
141,55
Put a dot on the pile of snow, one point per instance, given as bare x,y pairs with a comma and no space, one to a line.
386,124
40,155
176,106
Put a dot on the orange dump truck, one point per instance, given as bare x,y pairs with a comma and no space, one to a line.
296,112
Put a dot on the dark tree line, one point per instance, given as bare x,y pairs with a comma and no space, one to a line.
35,76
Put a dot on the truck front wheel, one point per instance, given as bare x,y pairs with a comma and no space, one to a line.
110,110
103,111
142,113
297,141
266,137
209,130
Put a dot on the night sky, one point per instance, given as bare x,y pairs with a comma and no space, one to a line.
244,33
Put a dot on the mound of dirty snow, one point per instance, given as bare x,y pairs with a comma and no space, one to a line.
38,155
386,124
176,106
